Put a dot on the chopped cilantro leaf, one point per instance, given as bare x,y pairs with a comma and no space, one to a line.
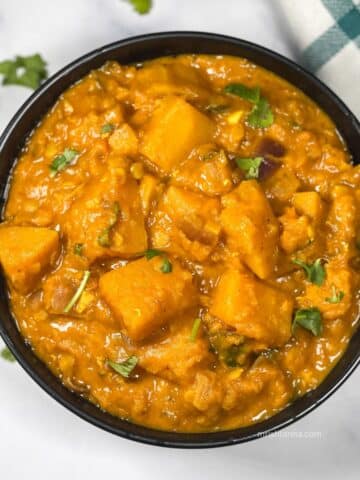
126,367
315,271
261,115
251,166
26,71
61,161
240,90
310,319
141,6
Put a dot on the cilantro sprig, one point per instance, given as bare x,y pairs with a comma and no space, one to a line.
25,71
336,295
7,355
310,319
166,266
126,367
315,272
78,292
62,160
261,116
195,329
251,166
240,90
141,6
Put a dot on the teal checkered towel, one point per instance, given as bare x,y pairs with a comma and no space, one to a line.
327,33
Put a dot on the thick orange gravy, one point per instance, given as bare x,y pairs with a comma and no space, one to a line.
180,242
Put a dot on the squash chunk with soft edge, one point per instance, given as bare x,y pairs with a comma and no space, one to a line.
251,227
25,253
174,130
186,224
144,298
107,219
253,308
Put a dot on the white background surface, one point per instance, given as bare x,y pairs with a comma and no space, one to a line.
39,438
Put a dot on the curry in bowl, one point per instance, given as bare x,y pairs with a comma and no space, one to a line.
180,241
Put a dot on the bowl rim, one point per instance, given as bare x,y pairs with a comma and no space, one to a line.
133,431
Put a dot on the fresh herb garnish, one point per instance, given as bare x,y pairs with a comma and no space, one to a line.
7,355
336,295
315,271
78,248
107,128
166,267
26,71
78,292
104,236
251,166
230,355
152,252
310,319
240,90
126,367
261,115
195,329
141,6
61,161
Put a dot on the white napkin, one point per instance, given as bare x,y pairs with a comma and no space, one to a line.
327,32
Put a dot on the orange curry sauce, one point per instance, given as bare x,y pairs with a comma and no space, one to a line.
208,233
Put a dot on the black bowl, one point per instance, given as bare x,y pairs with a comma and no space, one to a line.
135,50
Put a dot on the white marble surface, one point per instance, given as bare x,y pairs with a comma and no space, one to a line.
39,438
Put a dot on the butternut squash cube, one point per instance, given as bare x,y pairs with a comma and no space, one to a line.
281,185
107,219
186,224
253,308
144,298
25,253
124,140
174,357
308,203
251,227
206,170
175,128
297,231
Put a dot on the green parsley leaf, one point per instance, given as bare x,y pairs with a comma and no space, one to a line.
336,295
315,271
240,90
261,115
126,367
195,329
61,161
152,252
251,166
78,292
166,267
107,128
310,319
141,6
78,248
7,355
26,71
